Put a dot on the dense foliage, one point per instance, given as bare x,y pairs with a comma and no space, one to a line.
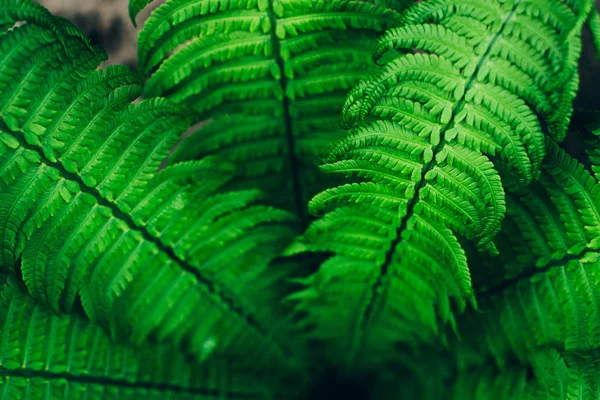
452,248
270,75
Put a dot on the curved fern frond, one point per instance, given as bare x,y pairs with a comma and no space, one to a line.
271,75
85,212
470,80
28,11
550,222
569,227
545,309
552,376
43,355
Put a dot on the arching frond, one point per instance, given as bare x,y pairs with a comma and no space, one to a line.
544,310
468,81
270,76
125,279
162,256
12,11
552,376
43,355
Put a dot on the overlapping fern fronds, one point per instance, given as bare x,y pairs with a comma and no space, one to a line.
535,334
539,323
66,357
87,219
470,80
450,136
271,75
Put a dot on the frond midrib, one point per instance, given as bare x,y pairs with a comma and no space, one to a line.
534,271
376,290
531,271
287,119
28,373
205,281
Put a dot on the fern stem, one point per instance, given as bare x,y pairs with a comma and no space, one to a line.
533,271
227,300
292,160
377,288
28,374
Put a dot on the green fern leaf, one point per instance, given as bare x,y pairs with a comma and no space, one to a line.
468,81
270,77
543,306
43,355
84,211
28,11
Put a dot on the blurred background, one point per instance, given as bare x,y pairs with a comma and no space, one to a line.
106,22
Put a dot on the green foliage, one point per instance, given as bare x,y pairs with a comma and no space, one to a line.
270,76
66,357
461,258
543,311
469,81
86,219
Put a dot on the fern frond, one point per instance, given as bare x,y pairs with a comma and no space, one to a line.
469,80
543,309
12,11
552,375
43,355
165,256
562,269
271,75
